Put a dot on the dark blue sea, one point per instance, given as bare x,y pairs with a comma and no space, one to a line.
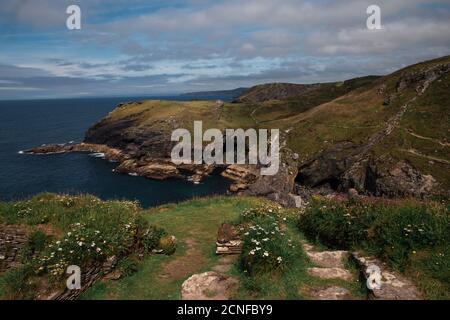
30,123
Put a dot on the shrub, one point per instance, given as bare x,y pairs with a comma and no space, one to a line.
36,243
266,247
168,245
16,283
129,266
152,237
391,230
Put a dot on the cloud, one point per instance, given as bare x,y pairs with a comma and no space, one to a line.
171,46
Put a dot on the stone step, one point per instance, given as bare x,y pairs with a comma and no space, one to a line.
326,259
393,286
330,273
330,293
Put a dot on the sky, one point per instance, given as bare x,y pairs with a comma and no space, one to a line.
162,47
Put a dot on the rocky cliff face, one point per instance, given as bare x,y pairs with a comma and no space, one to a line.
348,165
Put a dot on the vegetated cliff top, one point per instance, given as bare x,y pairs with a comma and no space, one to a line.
402,118
229,94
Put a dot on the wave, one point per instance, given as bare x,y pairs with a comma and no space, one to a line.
97,155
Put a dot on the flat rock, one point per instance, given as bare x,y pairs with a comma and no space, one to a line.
330,293
328,259
208,286
331,273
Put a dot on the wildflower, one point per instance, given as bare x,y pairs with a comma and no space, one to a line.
252,252
279,259
266,254
80,243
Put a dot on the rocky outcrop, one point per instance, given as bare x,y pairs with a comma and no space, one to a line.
129,163
348,165
97,150
228,241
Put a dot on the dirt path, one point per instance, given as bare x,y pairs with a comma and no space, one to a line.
183,266
416,153
444,144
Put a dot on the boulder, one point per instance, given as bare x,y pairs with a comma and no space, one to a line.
208,286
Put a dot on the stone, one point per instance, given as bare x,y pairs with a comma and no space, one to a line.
168,245
226,233
330,293
352,194
231,247
115,275
331,273
328,259
296,202
208,286
394,286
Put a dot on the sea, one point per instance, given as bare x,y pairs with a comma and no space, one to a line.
29,123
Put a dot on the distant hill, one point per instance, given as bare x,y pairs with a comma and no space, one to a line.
290,91
228,94
385,136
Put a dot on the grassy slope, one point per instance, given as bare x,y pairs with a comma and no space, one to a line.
195,224
195,221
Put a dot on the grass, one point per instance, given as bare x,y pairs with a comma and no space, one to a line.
194,223
377,228
67,230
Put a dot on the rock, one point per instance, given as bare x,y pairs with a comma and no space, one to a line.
231,247
328,259
109,264
352,194
228,241
330,273
115,275
226,233
330,293
296,202
208,286
167,245
394,286
241,174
